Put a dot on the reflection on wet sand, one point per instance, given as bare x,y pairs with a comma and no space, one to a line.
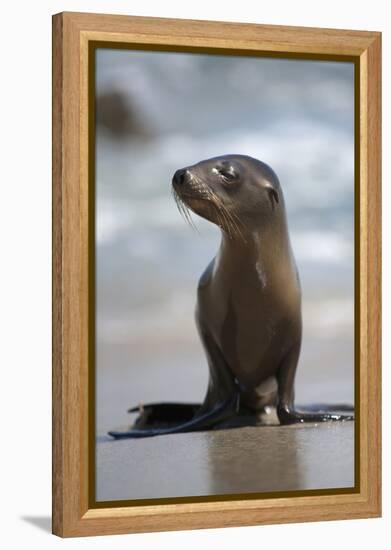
244,460
259,460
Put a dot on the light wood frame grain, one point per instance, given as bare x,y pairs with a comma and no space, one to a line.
72,34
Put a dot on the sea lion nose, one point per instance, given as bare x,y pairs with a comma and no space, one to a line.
180,176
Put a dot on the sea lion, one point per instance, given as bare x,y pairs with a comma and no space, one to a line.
248,310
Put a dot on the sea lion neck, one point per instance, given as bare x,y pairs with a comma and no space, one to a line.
265,259
268,243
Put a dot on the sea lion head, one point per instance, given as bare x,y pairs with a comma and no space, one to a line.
236,192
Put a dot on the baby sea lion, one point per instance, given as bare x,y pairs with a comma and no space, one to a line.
248,310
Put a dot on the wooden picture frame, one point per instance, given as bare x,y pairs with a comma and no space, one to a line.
74,37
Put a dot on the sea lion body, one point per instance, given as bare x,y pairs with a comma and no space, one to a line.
240,301
240,304
248,311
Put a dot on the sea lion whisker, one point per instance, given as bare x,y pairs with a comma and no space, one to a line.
184,210
224,222
235,222
221,213
228,216
180,206
229,225
238,224
187,215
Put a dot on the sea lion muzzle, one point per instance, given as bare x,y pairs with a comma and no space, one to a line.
180,177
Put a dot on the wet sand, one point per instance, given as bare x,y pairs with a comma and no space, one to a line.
266,458
244,460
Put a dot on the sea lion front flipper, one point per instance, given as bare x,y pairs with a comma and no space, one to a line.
220,404
286,412
327,407
163,415
293,416
201,421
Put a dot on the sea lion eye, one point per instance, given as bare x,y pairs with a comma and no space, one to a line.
228,174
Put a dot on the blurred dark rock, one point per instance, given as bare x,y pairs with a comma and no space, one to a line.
117,115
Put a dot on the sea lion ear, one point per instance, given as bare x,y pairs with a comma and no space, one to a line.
273,194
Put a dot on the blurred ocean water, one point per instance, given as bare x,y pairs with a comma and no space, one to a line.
297,116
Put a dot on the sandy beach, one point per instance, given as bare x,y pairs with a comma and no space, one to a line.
242,460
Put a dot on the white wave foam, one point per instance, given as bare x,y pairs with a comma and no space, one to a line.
322,246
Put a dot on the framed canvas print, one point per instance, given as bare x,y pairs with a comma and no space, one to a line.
216,274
